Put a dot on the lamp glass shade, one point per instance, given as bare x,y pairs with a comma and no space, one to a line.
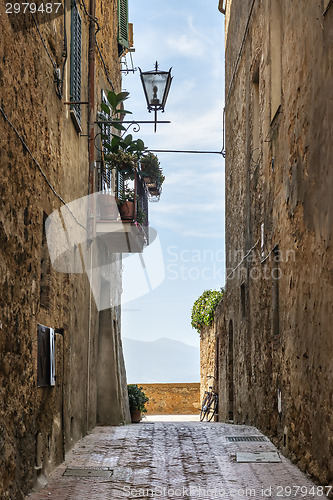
156,85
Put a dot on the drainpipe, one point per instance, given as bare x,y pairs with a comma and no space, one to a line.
91,149
221,6
91,86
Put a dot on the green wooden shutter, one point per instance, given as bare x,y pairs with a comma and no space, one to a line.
120,184
106,130
123,25
75,76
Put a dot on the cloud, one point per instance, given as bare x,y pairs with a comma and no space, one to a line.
185,207
187,46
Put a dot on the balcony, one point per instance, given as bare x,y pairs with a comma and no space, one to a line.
122,218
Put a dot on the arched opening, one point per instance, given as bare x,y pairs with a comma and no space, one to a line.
231,371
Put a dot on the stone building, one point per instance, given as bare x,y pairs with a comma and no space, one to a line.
274,324
61,361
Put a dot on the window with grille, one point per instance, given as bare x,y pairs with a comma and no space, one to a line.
106,137
75,76
123,38
120,183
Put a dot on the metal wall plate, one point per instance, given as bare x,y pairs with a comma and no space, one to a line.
258,457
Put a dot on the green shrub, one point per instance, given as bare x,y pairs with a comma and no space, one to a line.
137,398
204,307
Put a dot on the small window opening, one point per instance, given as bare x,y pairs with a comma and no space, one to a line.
243,300
45,271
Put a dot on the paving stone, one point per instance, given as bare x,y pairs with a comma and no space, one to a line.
175,459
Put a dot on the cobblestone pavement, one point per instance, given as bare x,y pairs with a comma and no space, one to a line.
170,460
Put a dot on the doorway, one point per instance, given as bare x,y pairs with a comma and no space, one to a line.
231,371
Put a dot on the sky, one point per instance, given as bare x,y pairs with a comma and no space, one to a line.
189,218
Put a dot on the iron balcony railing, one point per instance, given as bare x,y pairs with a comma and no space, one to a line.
116,187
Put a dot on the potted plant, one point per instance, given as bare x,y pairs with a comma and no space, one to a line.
137,402
120,152
152,173
126,203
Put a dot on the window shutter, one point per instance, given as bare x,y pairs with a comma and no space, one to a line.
75,76
106,130
120,183
45,356
123,24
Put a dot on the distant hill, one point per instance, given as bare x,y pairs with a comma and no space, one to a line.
161,361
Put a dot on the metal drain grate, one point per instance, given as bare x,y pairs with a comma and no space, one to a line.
239,439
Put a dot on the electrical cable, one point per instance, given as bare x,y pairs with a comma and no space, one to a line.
185,151
58,79
105,67
39,167
42,39
245,256
239,54
94,19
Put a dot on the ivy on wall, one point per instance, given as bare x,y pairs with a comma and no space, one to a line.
204,307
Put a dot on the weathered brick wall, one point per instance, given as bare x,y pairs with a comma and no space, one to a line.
172,399
276,335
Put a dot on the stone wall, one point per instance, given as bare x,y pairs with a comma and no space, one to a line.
208,359
274,323
172,399
37,425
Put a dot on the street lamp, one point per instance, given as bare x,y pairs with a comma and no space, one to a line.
156,86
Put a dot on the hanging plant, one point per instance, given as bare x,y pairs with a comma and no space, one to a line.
113,111
204,308
151,169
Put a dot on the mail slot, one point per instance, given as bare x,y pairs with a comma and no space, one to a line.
45,356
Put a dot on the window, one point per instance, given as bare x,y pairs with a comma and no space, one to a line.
276,274
45,356
106,177
243,299
106,134
75,77
123,38
120,183
45,271
276,57
262,239
255,121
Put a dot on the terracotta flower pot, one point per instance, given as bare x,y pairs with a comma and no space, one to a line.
136,416
126,210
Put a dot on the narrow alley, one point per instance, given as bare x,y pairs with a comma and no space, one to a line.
176,459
